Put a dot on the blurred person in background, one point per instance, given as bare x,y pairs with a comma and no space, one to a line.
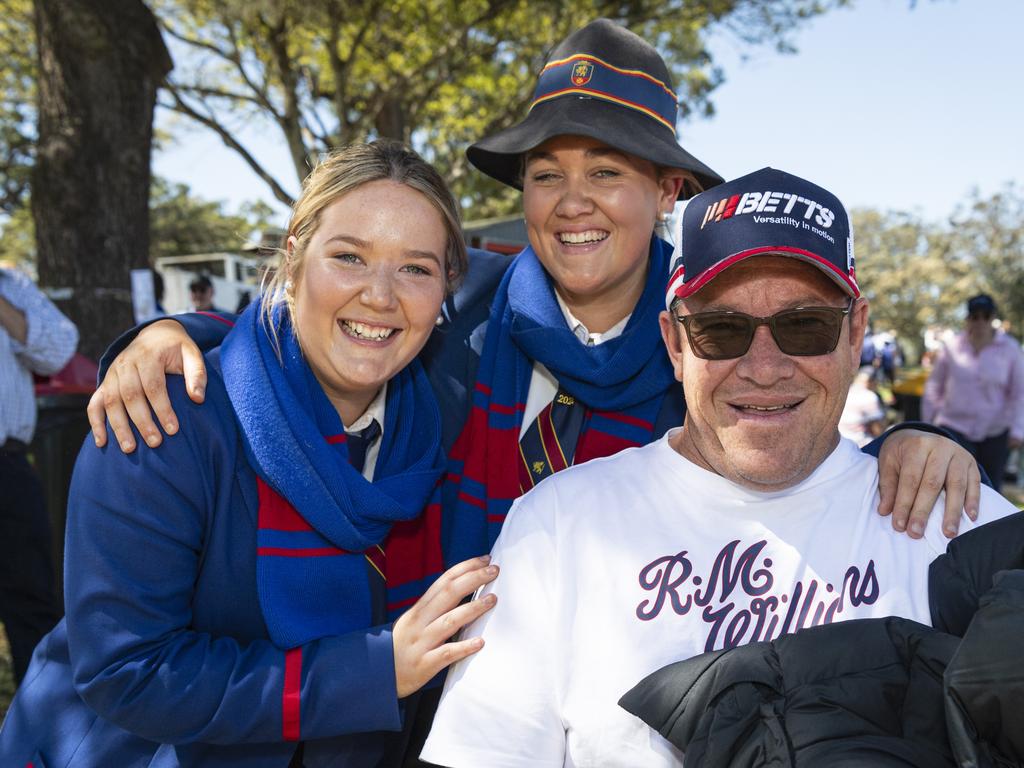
890,356
158,292
863,417
202,294
976,389
35,338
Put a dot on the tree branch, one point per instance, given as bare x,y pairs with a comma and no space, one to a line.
259,88
289,120
217,93
180,105
339,66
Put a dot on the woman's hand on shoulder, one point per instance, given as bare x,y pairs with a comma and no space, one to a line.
913,468
135,387
421,634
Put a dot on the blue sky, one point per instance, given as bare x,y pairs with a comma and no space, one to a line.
890,107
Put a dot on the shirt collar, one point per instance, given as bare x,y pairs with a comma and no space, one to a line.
581,332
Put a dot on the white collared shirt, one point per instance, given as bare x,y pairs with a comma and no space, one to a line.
543,384
50,343
374,412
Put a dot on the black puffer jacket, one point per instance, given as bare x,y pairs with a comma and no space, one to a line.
877,692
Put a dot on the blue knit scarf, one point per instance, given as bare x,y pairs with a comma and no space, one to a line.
311,571
623,382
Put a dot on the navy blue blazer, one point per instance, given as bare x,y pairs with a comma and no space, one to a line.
164,657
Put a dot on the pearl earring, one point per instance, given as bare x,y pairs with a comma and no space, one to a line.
440,320
664,215
288,286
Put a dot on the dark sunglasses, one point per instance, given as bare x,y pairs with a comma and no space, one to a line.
802,331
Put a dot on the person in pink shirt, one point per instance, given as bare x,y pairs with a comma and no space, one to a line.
976,389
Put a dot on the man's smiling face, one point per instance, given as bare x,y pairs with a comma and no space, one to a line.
765,420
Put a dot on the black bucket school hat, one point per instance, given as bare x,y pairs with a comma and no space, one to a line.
606,83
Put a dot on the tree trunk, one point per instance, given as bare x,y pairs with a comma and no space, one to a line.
390,120
100,64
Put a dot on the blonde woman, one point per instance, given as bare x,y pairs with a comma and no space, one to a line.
242,596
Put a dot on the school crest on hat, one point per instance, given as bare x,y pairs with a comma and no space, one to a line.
582,71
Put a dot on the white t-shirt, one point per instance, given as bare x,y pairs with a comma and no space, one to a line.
619,566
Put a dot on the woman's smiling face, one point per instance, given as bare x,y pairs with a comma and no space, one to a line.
369,290
590,212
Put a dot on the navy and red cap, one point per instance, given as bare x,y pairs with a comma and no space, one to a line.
768,212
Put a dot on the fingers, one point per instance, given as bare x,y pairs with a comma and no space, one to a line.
928,489
963,492
973,502
419,657
454,585
906,484
133,394
957,483
446,625
109,395
135,387
888,480
97,418
448,654
194,368
899,474
154,387
419,636
914,473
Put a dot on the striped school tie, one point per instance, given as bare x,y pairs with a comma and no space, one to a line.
549,444
358,443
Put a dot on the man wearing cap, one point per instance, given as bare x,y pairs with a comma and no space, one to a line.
976,389
201,290
752,520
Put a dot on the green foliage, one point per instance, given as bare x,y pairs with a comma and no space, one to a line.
180,223
989,234
17,102
918,275
18,237
437,73
910,274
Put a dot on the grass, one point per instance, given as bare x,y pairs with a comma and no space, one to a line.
1015,495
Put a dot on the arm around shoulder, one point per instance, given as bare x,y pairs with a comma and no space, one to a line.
206,329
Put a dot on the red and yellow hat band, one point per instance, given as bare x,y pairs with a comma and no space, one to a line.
585,75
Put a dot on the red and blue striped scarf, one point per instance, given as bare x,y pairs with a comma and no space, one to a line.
319,519
623,382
